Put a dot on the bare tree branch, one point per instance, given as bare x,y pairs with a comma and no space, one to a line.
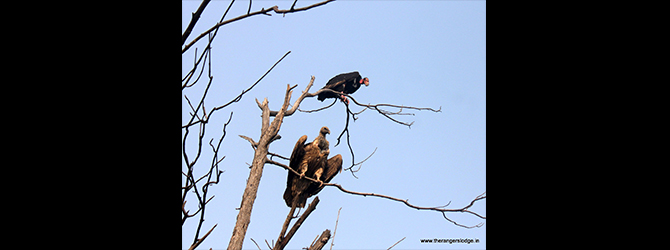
191,182
207,50
190,74
269,128
319,109
284,239
268,244
396,243
197,243
387,114
262,11
239,97
463,209
293,5
335,231
323,239
194,19
461,225
305,93
268,134
289,217
185,213
438,209
377,107
252,239
253,143
236,99
359,164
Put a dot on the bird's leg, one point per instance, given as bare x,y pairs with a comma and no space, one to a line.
317,176
344,98
301,170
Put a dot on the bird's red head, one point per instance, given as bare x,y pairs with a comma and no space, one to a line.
365,81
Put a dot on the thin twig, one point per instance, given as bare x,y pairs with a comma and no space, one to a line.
321,242
359,164
266,243
305,93
284,240
190,74
273,154
236,99
194,19
396,243
461,225
252,239
332,242
197,243
376,107
438,209
239,97
253,143
319,109
206,51
262,11
313,241
289,217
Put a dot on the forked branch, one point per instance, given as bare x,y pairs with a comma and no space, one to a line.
406,201
262,11
284,239
377,107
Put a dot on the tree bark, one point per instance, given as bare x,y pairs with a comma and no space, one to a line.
268,132
321,242
283,240
248,198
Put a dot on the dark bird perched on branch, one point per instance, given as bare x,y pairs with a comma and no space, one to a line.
346,83
310,159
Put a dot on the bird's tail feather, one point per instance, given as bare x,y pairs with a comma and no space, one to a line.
288,197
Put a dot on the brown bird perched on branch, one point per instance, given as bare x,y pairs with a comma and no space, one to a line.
346,83
310,159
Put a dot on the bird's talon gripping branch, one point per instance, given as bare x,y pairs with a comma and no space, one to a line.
344,99
313,155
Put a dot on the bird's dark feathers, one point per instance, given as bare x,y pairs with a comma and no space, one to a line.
311,160
346,83
332,168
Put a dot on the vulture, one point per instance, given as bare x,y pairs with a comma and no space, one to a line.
310,159
346,83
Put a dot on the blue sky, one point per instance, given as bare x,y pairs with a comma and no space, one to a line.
416,53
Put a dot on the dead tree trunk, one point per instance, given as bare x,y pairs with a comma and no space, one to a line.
321,242
268,134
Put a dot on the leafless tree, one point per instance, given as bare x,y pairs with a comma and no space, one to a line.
271,121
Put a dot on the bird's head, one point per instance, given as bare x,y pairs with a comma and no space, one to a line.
365,81
324,131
